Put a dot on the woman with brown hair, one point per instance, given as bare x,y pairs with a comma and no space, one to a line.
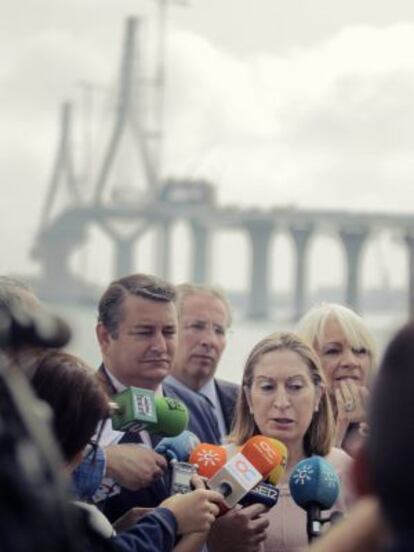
78,405
284,397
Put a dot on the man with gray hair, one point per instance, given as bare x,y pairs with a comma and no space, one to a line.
204,317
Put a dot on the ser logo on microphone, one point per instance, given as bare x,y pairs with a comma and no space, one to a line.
144,405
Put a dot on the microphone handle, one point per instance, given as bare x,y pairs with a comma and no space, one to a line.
313,521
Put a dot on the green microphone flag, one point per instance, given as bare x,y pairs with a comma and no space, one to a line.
135,409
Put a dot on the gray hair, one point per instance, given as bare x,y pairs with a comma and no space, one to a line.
186,289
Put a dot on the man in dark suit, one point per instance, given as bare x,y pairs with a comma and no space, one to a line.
137,335
204,316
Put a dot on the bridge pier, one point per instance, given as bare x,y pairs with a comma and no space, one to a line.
409,240
353,240
200,253
163,252
300,235
260,233
124,256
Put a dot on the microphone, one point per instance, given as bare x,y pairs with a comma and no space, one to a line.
245,470
187,457
265,451
136,409
314,486
21,326
278,472
263,493
208,458
178,448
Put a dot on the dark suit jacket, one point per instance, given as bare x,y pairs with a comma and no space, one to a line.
201,422
227,393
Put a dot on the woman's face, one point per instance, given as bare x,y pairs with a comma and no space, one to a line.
340,361
283,397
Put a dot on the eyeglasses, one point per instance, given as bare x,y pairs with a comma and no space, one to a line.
197,327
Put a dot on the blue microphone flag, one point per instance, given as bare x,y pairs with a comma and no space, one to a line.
314,481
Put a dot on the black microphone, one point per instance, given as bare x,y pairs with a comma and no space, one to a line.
263,493
22,326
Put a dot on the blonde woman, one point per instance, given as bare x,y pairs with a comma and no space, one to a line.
348,356
284,396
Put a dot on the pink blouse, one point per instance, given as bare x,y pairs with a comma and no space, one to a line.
287,529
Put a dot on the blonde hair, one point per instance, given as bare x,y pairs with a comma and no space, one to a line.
312,327
319,435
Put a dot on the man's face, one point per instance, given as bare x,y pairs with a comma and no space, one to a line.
203,325
143,351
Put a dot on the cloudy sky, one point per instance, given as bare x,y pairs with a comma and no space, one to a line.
306,102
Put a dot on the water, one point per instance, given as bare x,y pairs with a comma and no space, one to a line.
245,335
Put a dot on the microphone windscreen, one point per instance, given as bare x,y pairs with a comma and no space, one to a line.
22,326
172,417
278,472
178,448
209,458
134,409
314,482
261,452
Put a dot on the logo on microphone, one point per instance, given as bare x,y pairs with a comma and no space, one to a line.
243,470
207,458
302,474
174,404
144,405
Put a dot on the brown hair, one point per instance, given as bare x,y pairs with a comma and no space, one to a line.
319,436
140,285
77,401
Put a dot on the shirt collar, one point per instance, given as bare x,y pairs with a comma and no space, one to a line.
209,391
118,386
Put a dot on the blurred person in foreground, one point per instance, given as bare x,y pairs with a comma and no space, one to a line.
204,319
78,405
348,355
284,396
383,520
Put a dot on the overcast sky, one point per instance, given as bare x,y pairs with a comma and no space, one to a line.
305,102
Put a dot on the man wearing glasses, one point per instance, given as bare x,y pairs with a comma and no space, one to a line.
204,315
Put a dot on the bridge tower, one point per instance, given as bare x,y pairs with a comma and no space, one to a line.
53,248
63,173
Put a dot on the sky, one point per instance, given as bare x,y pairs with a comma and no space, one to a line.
307,103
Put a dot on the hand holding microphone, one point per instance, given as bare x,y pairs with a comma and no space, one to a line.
177,451
243,529
178,448
133,467
194,511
